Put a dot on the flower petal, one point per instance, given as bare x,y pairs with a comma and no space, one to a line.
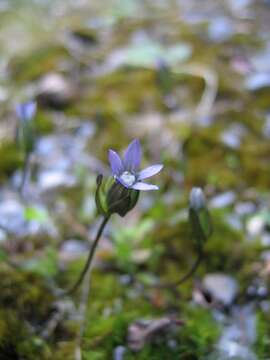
132,158
115,162
144,187
150,171
26,111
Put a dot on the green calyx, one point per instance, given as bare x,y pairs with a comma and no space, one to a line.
112,197
201,224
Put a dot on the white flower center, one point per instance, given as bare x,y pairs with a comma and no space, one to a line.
128,178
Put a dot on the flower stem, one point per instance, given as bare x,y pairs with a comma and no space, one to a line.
26,170
89,259
187,276
192,270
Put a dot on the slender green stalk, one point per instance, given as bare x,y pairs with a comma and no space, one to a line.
85,292
187,276
26,170
89,259
192,270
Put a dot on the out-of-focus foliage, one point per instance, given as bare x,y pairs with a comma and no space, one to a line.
190,79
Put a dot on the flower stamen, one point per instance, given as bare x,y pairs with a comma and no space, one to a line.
128,178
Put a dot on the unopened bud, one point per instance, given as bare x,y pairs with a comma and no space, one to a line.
197,199
199,216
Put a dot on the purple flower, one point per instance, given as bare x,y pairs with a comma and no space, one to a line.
127,172
26,111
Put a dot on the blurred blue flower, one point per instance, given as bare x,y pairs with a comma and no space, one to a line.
25,129
26,111
127,172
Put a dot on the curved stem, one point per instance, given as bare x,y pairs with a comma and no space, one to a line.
89,259
192,270
188,275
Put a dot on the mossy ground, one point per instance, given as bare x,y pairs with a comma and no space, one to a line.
122,103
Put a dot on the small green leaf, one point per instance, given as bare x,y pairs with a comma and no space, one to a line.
33,213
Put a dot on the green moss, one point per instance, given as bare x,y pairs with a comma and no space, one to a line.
16,341
64,350
111,100
39,61
218,172
43,123
10,158
263,336
108,331
26,304
199,334
105,332
219,256
155,352
194,341
117,94
25,293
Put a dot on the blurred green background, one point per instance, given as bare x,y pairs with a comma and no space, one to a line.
191,80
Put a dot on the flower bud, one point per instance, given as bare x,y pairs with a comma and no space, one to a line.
199,216
197,199
112,197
